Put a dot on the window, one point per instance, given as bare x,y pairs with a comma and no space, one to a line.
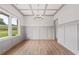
3,25
14,26
8,25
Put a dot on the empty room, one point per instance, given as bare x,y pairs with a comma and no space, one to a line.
39,29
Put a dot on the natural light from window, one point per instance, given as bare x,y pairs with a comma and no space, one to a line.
14,26
3,25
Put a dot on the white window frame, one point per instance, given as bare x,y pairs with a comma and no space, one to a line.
10,26
18,26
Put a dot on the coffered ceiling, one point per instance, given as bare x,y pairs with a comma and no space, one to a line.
38,9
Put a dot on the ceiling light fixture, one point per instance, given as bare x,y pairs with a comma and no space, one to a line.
38,17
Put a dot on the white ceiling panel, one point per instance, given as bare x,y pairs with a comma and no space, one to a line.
49,12
22,6
38,9
26,12
38,12
53,6
38,6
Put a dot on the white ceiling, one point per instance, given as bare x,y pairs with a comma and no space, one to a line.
38,9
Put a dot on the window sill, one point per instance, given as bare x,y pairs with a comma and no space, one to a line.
16,35
4,38
7,37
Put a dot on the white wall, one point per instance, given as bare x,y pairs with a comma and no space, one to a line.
31,21
78,36
71,36
67,31
39,32
68,13
67,35
60,34
8,42
38,28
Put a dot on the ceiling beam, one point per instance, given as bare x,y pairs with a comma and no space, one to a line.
59,9
4,14
39,9
45,9
41,15
31,8
17,9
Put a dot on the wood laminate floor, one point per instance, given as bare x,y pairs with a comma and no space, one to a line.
38,47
